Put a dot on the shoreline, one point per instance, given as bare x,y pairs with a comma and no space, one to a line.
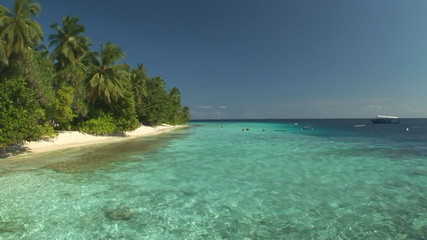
72,139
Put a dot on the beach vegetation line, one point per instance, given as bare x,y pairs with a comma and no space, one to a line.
72,84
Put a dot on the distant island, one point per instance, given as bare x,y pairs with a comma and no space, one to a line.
75,85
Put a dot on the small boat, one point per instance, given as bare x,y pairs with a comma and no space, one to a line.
386,119
307,128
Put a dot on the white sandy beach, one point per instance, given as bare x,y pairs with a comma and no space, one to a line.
68,139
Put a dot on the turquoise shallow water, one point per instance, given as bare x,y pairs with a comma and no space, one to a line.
215,181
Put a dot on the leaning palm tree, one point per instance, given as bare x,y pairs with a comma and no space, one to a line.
70,45
17,28
106,79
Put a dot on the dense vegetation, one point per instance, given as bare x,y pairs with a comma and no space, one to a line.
72,87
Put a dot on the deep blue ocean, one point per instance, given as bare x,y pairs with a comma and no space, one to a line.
237,179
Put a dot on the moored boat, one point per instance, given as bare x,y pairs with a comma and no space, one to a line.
307,128
386,119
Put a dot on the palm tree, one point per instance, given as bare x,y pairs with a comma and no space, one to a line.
71,46
174,105
138,78
106,79
18,31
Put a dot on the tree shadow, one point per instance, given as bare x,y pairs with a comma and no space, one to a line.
13,150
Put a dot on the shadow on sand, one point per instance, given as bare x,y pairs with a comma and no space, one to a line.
12,150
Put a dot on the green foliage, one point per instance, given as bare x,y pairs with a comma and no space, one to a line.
17,28
119,118
102,125
138,79
39,71
74,75
105,79
125,113
73,87
61,112
20,114
4,61
155,104
185,115
174,106
71,46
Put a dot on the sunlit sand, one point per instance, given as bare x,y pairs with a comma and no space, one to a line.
68,139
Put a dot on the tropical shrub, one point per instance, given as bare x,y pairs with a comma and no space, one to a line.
21,116
124,112
102,125
61,111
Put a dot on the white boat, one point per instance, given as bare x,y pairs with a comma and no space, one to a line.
386,119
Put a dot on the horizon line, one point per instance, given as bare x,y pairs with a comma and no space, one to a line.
348,118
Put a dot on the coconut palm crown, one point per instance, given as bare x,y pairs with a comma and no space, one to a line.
18,30
70,45
106,79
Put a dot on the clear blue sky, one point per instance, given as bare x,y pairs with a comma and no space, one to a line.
270,58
